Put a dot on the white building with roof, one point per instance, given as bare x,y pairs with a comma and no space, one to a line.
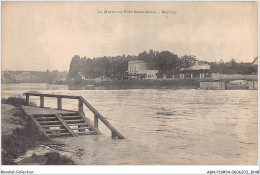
137,67
197,69
138,70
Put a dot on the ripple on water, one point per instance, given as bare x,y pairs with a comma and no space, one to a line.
166,127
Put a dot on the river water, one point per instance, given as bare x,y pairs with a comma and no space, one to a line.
161,127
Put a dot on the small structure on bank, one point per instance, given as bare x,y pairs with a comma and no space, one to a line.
232,85
195,71
138,70
242,84
211,85
54,122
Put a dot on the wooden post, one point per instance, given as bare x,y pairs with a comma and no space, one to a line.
80,107
65,125
96,121
81,112
27,99
113,135
41,101
38,126
59,102
116,133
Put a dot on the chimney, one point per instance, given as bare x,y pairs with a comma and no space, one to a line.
197,62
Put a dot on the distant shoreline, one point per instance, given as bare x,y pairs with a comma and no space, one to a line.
169,83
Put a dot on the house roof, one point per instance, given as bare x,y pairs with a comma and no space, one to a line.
255,62
199,67
237,81
136,62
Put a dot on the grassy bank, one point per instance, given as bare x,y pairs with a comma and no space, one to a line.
14,101
168,83
18,143
50,158
19,135
150,84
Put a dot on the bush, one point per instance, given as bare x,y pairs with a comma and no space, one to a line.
16,101
25,138
7,160
54,158
19,142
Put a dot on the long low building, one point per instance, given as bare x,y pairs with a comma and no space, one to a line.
236,84
197,70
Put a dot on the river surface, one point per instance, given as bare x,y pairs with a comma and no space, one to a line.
161,127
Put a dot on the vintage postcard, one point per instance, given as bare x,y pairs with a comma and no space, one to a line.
129,83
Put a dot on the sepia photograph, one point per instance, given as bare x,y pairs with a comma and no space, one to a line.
129,83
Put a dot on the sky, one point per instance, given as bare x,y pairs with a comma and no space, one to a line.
46,35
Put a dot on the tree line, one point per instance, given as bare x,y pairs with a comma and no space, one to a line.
165,62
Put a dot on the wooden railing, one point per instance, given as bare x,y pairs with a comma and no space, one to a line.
81,101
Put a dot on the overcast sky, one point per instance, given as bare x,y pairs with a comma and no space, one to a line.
46,35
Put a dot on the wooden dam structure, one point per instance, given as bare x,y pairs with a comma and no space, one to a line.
55,122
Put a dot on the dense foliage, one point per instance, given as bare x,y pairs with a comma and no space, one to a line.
55,158
32,76
16,101
165,62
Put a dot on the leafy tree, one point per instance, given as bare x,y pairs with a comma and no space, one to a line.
165,62
188,60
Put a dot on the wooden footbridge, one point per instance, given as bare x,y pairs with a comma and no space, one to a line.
60,122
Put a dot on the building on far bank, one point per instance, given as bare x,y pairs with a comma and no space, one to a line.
137,67
151,74
82,75
138,70
195,71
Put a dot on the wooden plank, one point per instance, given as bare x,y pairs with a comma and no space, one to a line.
38,125
81,128
90,124
65,125
45,118
59,102
74,113
70,117
96,121
41,101
52,112
80,109
48,122
86,133
60,134
52,95
80,120
113,134
47,126
37,111
76,124
47,130
120,136
27,99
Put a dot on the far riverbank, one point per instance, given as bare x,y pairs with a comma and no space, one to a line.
168,83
